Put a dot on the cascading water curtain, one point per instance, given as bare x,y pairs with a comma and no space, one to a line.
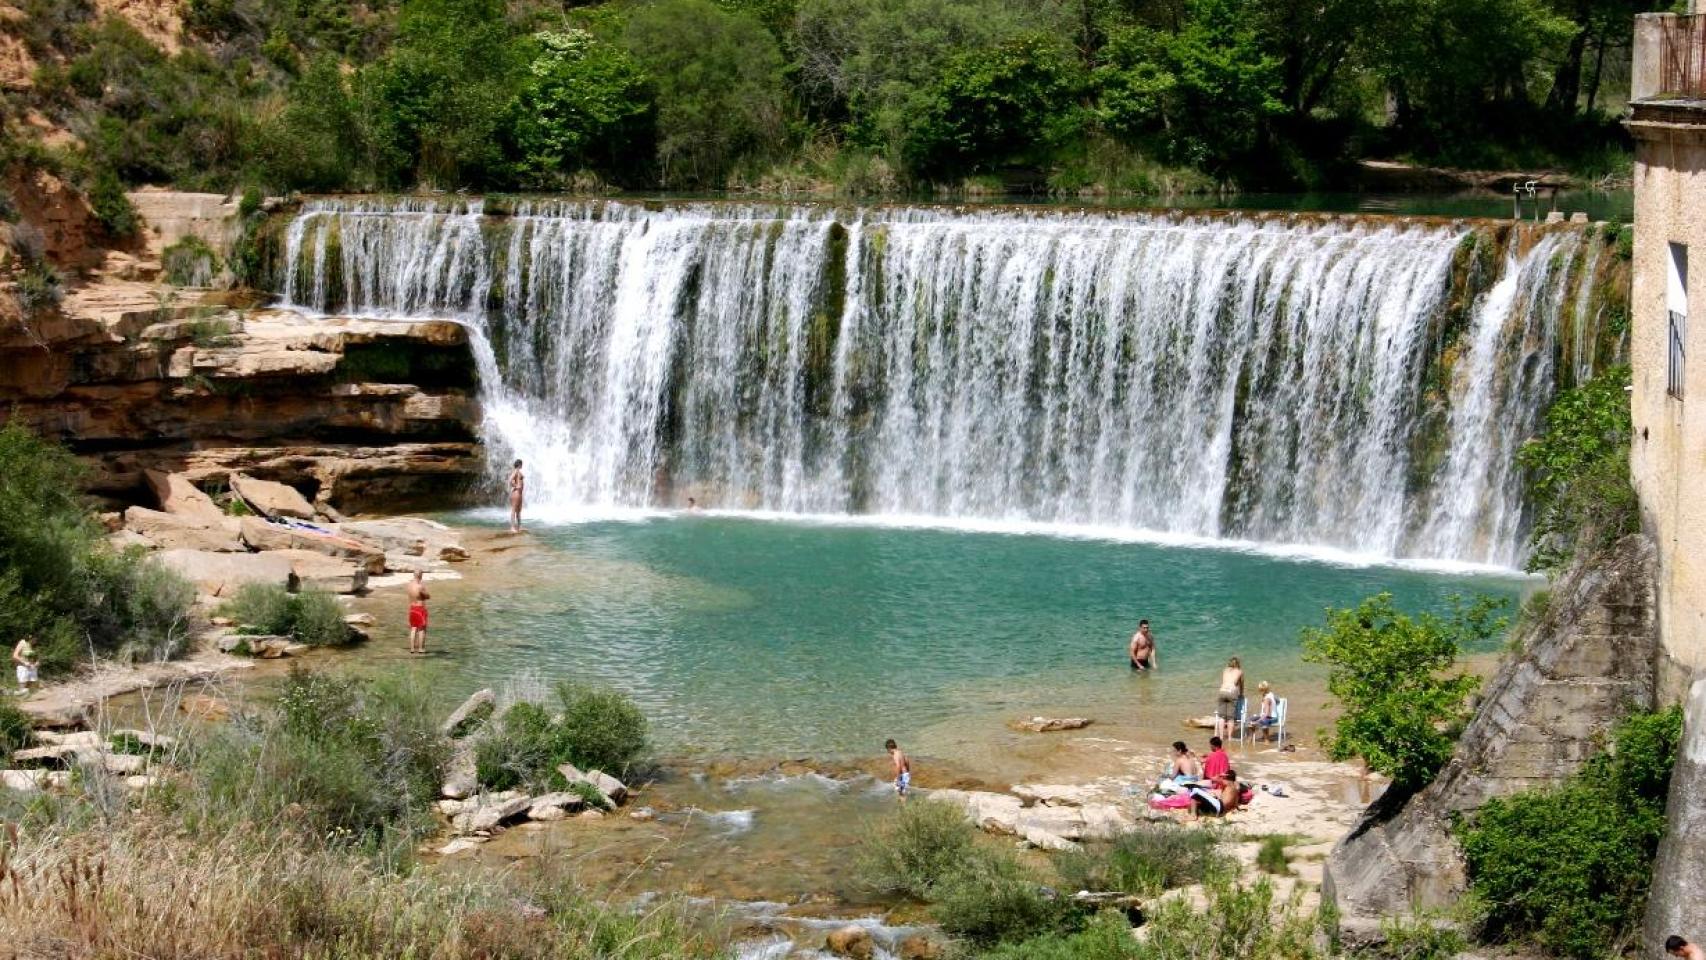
1278,379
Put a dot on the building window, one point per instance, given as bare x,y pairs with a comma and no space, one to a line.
1676,302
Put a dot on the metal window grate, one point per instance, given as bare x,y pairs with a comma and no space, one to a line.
1674,369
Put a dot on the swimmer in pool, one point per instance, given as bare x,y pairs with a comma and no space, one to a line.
1142,649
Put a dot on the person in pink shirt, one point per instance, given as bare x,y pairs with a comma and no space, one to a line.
1217,762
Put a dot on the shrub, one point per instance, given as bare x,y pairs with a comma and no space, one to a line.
1106,937
990,897
351,760
601,729
14,728
111,207
1271,856
912,851
1403,705
190,263
1236,923
1569,867
594,730
1143,861
1419,939
39,288
1578,473
60,582
314,617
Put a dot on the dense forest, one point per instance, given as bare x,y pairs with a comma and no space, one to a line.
859,97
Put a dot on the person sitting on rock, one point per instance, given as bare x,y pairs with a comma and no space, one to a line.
1220,799
1678,947
1186,764
1217,762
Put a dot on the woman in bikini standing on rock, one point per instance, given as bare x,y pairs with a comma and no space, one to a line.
517,488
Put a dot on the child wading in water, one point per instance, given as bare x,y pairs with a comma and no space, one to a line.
902,770
418,596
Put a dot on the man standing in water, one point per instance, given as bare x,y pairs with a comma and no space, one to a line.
902,770
418,597
1142,648
517,487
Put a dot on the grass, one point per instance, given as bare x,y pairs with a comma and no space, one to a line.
1271,856
1143,862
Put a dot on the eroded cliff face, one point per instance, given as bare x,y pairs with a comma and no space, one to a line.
360,415
1583,666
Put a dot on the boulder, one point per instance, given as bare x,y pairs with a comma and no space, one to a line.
1093,821
78,739
220,574
144,738
555,806
206,707
643,815
263,534
608,785
123,764
1581,668
489,812
316,571
271,499
411,536
919,947
459,845
1054,794
177,495
461,777
991,812
1043,840
471,715
851,941
1050,724
590,814
55,757
23,781
450,808
139,782
175,532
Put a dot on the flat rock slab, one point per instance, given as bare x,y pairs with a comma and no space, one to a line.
1055,794
316,571
411,536
1050,724
220,574
177,495
176,532
270,499
472,714
263,534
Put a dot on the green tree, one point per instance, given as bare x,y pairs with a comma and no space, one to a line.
994,106
315,141
719,83
1402,703
59,582
1578,473
584,104
435,102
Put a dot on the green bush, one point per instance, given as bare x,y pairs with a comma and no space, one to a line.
1569,867
111,207
314,617
14,727
1143,861
911,851
1578,473
39,288
1403,705
990,897
60,582
1106,937
593,729
1237,923
1271,856
190,263
1419,939
348,760
601,729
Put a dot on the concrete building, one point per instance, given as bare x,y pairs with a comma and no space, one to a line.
1668,458
1668,120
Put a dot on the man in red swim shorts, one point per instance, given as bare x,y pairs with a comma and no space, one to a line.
418,597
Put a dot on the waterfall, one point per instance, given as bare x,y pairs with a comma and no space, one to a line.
1340,382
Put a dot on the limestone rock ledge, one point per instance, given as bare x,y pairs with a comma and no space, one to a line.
358,414
1584,665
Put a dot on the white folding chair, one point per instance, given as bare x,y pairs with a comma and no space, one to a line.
1282,708
1238,719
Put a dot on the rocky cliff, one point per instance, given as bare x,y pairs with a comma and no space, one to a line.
1581,667
1676,905
357,414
